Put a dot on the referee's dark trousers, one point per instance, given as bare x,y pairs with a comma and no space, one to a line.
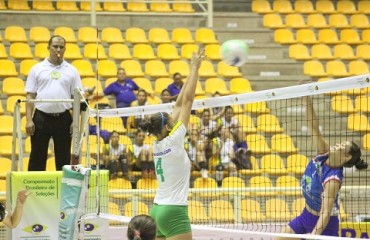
50,125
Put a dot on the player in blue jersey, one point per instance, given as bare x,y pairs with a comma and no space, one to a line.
322,180
172,164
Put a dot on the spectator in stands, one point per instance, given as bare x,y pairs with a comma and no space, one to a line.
123,89
209,125
322,180
175,87
142,227
195,149
229,120
12,220
142,156
116,157
52,78
165,96
134,121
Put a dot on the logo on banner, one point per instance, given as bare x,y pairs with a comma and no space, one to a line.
35,228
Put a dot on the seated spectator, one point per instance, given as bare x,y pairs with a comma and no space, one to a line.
175,87
195,149
142,156
165,96
229,120
133,121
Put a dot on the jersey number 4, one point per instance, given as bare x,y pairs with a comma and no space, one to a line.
159,169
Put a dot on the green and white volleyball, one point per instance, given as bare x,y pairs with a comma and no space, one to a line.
234,52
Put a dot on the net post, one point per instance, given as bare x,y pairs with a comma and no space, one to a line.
17,133
135,205
75,128
237,208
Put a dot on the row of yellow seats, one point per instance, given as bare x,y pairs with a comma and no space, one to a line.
343,104
321,51
117,51
104,6
112,35
153,68
308,6
315,20
335,68
327,36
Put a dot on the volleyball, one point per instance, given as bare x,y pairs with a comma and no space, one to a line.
234,52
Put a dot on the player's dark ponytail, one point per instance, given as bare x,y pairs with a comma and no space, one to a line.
141,227
2,212
155,123
356,159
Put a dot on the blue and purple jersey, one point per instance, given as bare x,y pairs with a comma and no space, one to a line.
124,93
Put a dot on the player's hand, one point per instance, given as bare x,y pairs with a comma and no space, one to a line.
22,196
198,57
30,127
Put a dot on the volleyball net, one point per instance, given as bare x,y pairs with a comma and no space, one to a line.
255,147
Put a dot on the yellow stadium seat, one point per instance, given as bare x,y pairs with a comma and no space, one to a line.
366,36
158,35
119,51
119,183
197,212
363,7
86,6
43,5
227,71
6,146
179,66
251,172
304,6
113,124
133,68
182,36
107,68
296,163
257,144
283,144
205,36
277,209
88,35
342,104
325,6
282,6
1,109
287,182
251,211
234,182
26,65
161,83
358,67
113,7
246,122
359,21
67,33
160,6
336,68
209,183
297,206
262,6
113,208
328,36
94,51
134,6
365,142
6,126
147,183
350,36
240,85
344,51
155,69
136,35
316,20
295,20
112,35
213,51
73,52
321,51
273,164
130,211
18,5
346,7
338,20
20,51
314,68
50,164
167,51
358,123
39,34
11,101
284,36
6,166
145,84
268,123
84,68
93,144
3,189
199,92
256,108
221,211
67,6
299,52
261,182
7,68
2,5
3,53
15,34
188,49
13,86
362,104
42,52
182,7
206,69
273,20
216,85
306,36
